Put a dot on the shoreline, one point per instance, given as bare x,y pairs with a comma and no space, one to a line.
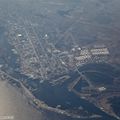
38,104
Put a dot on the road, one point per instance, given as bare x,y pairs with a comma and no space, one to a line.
38,59
85,78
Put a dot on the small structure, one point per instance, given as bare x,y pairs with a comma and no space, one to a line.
101,89
19,35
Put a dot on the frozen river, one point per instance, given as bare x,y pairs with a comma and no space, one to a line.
14,105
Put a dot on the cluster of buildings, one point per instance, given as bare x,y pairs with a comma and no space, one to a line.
40,59
37,60
87,55
24,50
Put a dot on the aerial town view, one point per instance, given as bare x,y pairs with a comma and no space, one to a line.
59,60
